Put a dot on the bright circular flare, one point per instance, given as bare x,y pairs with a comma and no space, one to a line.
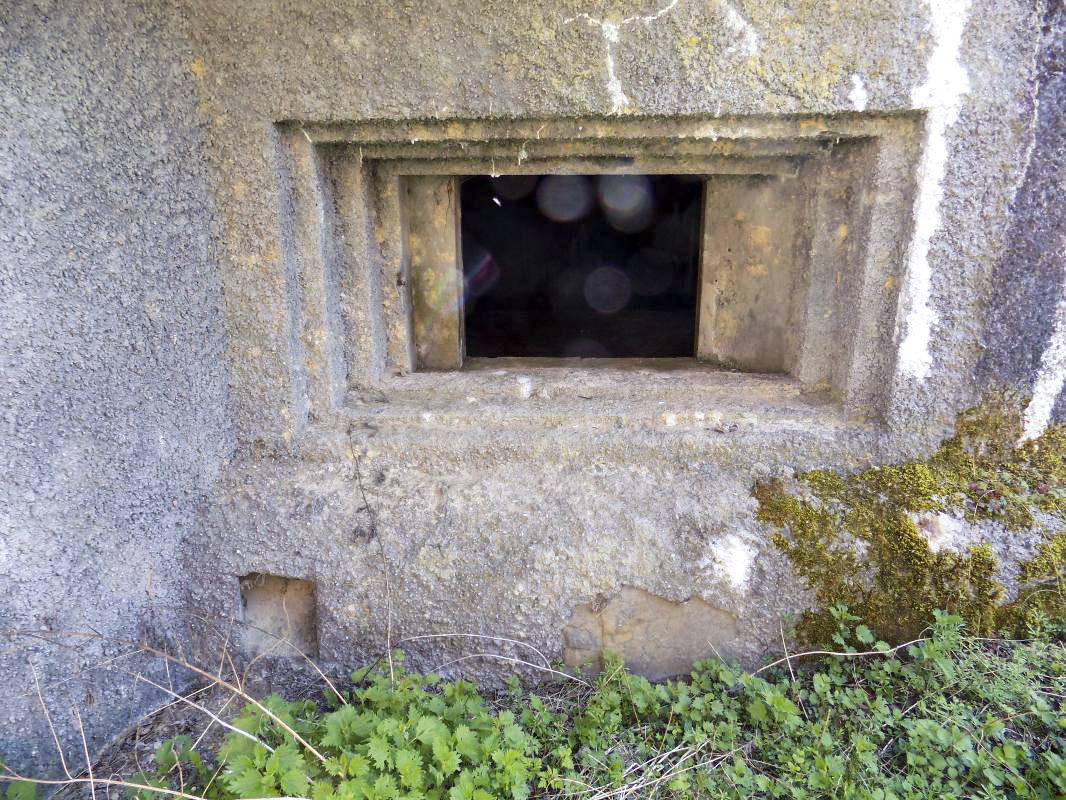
607,290
627,201
564,198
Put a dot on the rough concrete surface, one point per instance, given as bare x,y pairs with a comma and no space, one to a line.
1031,273
501,499
112,387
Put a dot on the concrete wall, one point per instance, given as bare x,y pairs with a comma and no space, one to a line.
1027,349
112,386
507,502
517,504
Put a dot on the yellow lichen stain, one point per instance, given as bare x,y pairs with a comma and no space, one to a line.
838,278
197,68
740,216
725,324
760,235
240,188
842,231
890,282
757,270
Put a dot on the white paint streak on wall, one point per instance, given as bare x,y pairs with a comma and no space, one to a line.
733,560
614,86
741,27
858,96
611,34
941,94
1050,379
525,387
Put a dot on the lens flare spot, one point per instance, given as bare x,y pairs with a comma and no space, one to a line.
627,201
564,198
607,290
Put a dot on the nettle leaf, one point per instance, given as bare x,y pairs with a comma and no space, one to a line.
464,787
514,736
138,777
379,751
466,744
429,729
863,634
250,782
757,711
447,758
285,758
295,783
409,765
384,788
357,766
337,726
166,755
358,789
393,729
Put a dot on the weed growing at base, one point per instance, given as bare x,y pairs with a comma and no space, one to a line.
949,716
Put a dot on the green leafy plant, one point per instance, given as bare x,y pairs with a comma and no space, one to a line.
397,736
948,715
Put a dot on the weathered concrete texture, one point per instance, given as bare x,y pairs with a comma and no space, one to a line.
655,637
750,245
1030,278
113,391
505,500
506,533
502,500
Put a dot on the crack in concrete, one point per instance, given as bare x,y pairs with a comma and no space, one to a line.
610,32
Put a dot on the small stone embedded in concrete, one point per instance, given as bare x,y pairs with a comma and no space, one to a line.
656,637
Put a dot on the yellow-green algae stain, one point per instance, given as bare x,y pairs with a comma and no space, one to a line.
853,540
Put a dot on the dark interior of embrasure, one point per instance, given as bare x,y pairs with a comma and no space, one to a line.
601,266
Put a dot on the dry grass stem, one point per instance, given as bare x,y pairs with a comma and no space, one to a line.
48,719
513,660
244,696
887,652
179,698
518,642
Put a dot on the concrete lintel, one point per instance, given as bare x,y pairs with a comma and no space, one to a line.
651,146
638,165
813,126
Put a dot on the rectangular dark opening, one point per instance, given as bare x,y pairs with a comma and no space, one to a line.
591,266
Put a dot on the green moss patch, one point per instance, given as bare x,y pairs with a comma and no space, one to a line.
854,542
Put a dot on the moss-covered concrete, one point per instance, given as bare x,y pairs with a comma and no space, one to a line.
855,539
